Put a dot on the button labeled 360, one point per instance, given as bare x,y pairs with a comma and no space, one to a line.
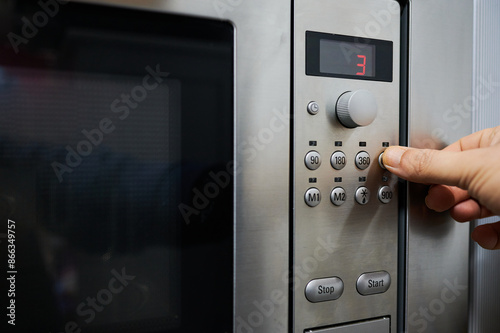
321,290
362,160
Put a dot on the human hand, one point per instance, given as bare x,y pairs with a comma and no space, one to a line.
465,179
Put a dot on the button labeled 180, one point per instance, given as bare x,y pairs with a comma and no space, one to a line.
338,160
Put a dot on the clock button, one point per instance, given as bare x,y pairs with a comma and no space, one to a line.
313,108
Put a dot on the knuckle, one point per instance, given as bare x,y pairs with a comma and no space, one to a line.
421,161
495,136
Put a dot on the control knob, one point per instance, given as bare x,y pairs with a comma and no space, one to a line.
356,108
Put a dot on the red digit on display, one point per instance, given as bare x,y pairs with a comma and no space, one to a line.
363,65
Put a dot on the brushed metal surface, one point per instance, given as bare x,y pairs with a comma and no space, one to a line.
485,264
440,88
262,109
348,240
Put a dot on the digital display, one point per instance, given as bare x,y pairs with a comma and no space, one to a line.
336,57
349,57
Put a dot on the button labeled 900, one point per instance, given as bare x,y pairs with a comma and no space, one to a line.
385,194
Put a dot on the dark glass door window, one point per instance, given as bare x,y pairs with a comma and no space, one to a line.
116,150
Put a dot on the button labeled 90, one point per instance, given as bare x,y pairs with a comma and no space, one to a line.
312,160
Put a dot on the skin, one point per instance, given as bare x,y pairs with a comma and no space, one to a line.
464,178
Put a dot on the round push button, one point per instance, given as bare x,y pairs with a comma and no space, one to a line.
312,160
313,108
381,161
362,160
362,195
385,194
312,197
338,196
338,160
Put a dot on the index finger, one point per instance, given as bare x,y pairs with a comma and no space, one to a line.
433,166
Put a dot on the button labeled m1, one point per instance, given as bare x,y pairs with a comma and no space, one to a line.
312,197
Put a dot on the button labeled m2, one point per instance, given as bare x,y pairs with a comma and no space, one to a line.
339,196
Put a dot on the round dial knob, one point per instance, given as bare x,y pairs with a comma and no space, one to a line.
356,108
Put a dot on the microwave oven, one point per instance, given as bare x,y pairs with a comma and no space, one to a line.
212,166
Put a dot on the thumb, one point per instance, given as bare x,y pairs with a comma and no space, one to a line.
428,166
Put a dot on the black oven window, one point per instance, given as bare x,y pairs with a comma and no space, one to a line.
116,150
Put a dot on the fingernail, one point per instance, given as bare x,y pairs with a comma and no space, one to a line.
392,156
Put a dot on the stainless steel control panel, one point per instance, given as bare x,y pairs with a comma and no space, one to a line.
346,112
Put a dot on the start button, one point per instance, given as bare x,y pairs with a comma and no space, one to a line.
373,283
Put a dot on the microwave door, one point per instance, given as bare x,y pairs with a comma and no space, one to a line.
145,164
